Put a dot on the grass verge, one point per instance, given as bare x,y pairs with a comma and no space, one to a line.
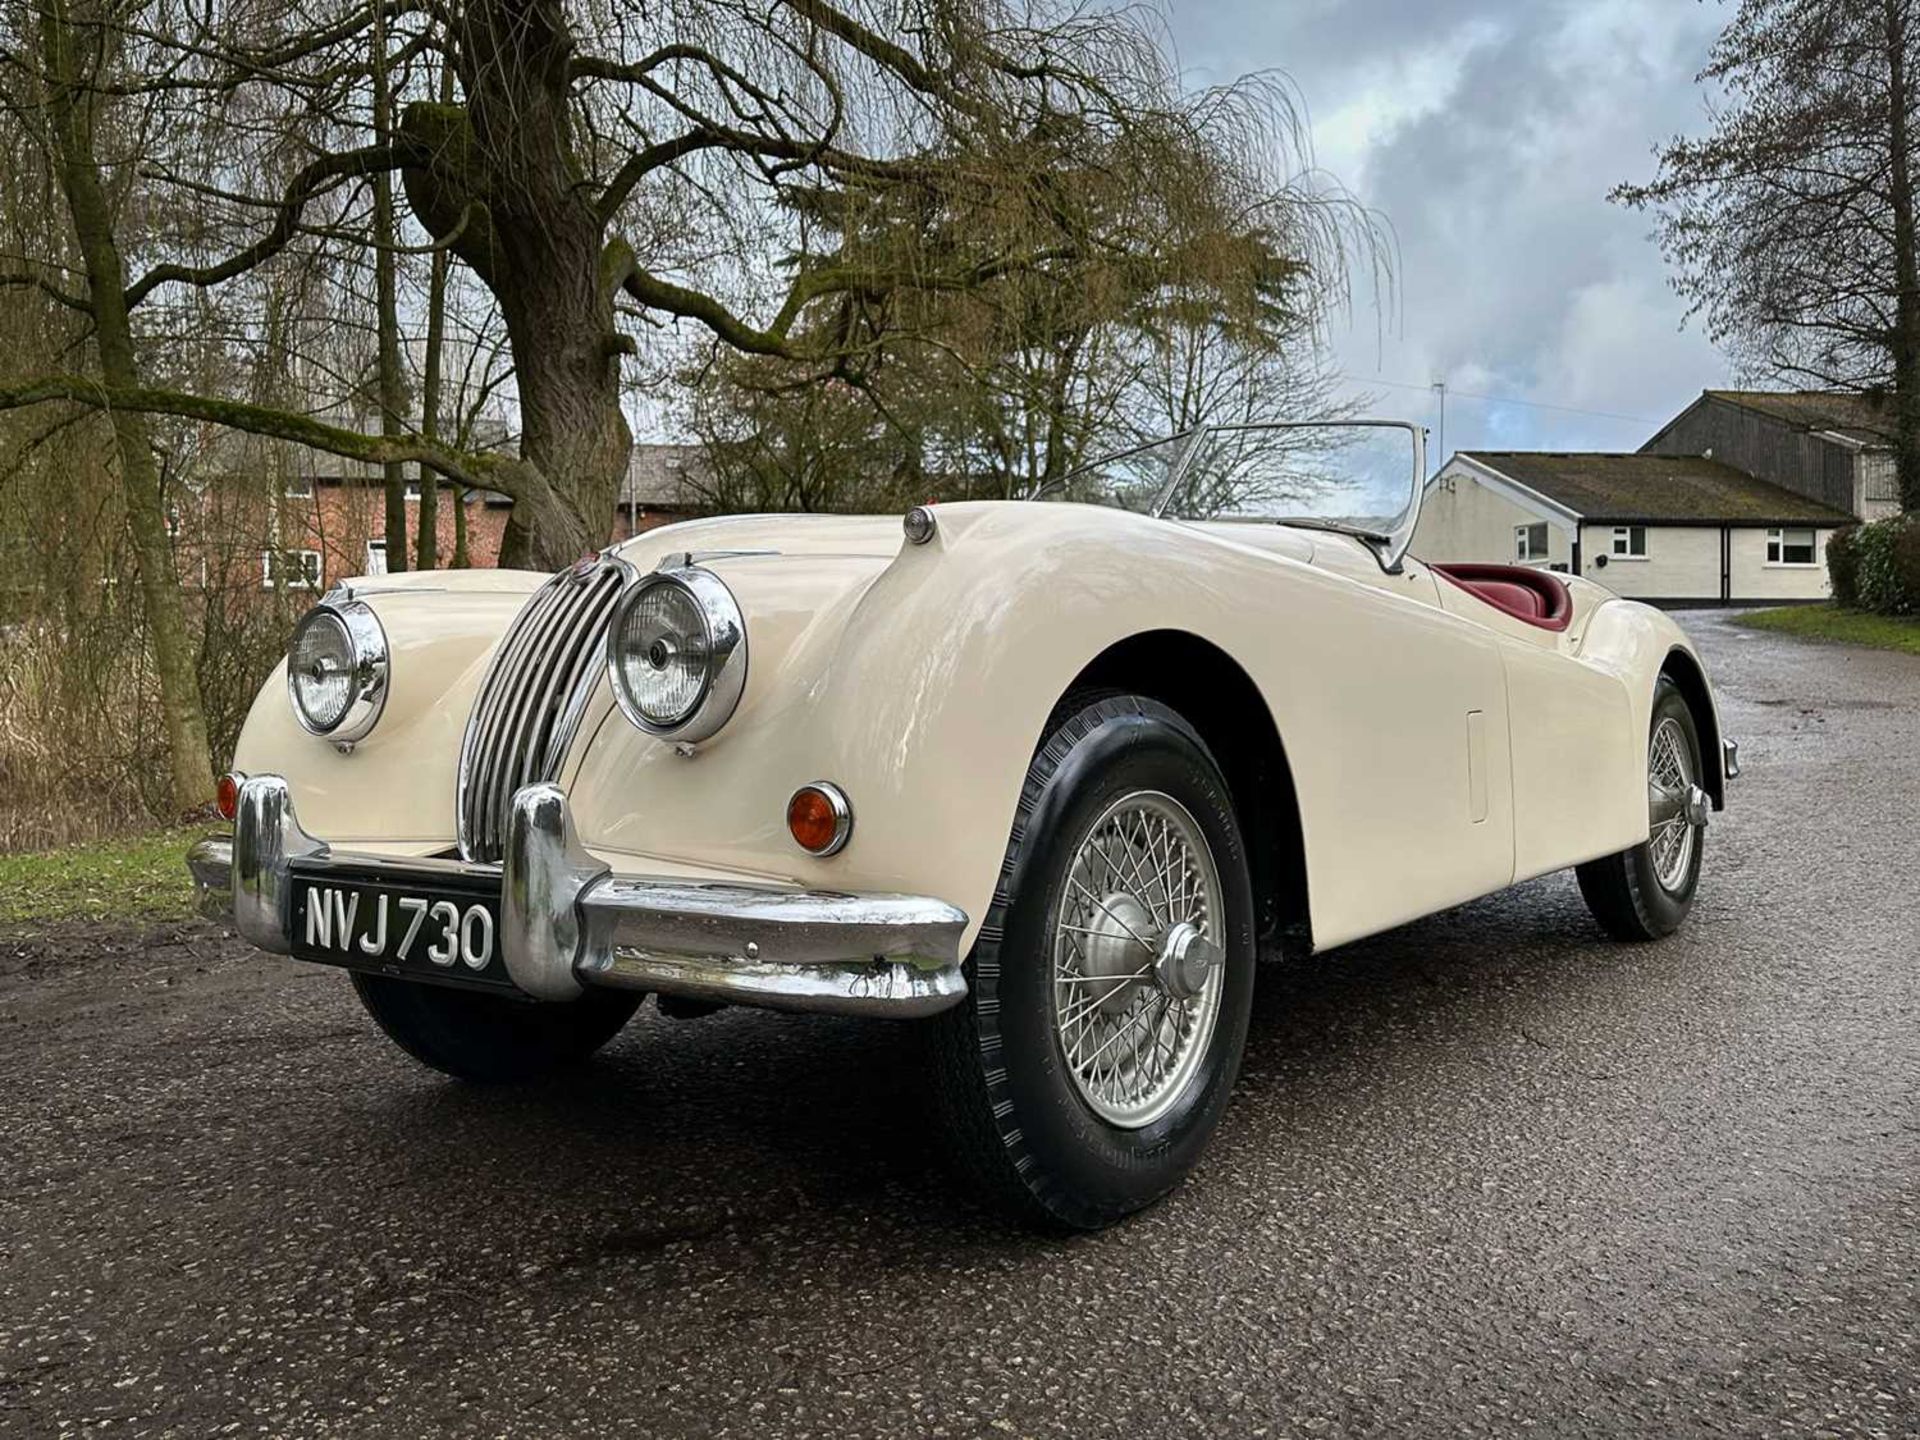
1837,626
139,876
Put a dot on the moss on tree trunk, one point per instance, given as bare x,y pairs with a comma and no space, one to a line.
503,179
71,101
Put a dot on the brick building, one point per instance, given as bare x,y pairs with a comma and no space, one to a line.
292,518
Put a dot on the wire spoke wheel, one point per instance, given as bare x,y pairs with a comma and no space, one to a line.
1111,982
1672,834
1137,972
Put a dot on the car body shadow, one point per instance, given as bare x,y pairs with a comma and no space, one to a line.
759,1124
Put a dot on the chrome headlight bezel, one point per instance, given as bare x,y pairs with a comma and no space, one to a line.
723,641
367,670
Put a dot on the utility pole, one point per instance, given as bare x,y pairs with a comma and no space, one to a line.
1440,388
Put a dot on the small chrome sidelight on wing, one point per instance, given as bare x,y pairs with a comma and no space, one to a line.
920,525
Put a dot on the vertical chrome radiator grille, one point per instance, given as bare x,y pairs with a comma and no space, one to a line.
531,703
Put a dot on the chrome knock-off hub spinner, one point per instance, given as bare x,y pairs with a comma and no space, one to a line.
1677,808
1186,959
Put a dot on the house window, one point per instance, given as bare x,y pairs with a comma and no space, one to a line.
298,487
413,490
1791,547
1530,541
376,557
1880,484
1629,542
295,569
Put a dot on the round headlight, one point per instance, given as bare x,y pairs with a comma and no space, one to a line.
337,670
677,653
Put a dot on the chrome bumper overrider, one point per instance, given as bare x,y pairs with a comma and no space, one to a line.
566,921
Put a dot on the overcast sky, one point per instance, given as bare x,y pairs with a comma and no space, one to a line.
1489,132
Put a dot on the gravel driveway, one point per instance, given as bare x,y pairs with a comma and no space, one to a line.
1486,1174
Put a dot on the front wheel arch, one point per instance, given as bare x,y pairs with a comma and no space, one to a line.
1624,891
1210,690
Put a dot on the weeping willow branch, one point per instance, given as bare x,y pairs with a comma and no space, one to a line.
475,471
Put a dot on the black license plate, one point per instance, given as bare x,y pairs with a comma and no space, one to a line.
422,927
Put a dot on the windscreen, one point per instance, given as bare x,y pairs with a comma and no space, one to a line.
1355,475
1134,479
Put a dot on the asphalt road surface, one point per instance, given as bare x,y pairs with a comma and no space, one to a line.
1485,1175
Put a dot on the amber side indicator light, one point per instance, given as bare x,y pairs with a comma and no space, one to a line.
226,795
820,818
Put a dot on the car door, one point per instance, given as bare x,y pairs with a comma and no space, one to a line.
1394,714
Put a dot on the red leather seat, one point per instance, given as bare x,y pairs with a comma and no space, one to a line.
1517,599
1538,597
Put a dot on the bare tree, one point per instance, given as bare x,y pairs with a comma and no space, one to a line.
70,46
658,157
391,384
1792,223
155,146
1212,259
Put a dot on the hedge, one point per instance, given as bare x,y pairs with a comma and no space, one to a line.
1877,567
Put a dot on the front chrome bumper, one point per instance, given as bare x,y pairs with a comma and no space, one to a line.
567,922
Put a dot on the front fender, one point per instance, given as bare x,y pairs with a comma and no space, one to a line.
923,690
395,788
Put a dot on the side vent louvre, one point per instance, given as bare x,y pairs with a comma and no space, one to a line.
531,703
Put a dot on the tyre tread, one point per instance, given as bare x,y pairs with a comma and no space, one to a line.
488,1040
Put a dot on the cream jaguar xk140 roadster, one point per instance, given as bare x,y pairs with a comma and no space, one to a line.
1044,777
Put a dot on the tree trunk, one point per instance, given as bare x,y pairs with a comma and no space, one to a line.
504,176
1905,344
428,556
392,390
461,560
70,103
575,433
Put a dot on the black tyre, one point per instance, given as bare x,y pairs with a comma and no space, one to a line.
486,1038
1110,984
1645,893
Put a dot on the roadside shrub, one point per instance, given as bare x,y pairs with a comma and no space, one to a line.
83,749
1885,566
1843,567
1906,565
82,753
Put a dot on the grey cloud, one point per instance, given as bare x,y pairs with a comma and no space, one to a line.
1516,276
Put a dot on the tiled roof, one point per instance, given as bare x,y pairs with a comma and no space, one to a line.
659,476
662,477
1612,487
